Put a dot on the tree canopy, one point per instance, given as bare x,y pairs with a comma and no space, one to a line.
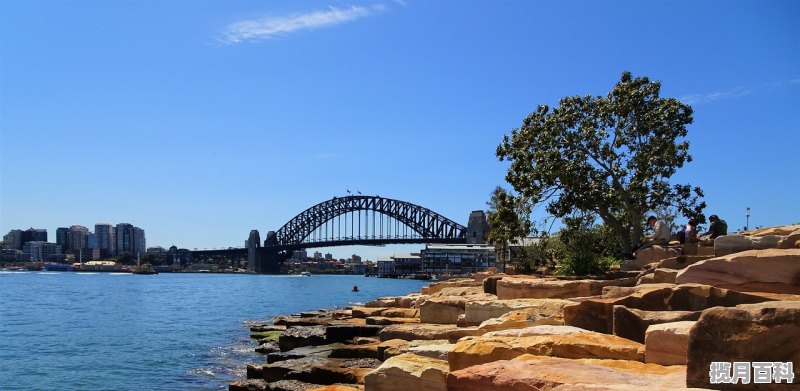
611,156
508,219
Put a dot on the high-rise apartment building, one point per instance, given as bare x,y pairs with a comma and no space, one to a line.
13,240
62,238
78,240
130,239
34,234
105,239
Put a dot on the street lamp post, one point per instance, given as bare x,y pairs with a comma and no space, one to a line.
747,221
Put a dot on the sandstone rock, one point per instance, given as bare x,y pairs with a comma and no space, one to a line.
477,312
536,330
384,321
410,332
248,385
298,336
596,314
523,318
457,333
255,371
407,301
277,370
480,350
442,310
647,278
519,288
291,385
490,283
257,328
666,343
356,351
401,313
334,371
764,332
337,387
453,283
537,373
650,255
780,230
781,268
681,261
790,241
729,244
322,351
363,312
341,333
438,351
408,372
664,276
268,347
632,324
391,348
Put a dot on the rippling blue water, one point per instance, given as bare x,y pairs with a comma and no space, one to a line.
81,331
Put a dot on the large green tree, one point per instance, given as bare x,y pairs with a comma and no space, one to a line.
508,221
611,156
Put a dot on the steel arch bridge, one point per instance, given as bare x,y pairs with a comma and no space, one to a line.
352,220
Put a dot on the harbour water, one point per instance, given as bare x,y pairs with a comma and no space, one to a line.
81,331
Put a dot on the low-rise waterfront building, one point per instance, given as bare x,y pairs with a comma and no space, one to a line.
456,259
38,251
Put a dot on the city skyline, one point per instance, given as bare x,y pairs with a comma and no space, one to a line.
200,121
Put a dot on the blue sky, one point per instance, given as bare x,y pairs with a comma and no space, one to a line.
201,120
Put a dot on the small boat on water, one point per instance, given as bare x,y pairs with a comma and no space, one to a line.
144,269
57,267
305,274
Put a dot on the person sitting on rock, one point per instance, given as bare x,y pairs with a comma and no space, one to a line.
718,227
688,234
661,234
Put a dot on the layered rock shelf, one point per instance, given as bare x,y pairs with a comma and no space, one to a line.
661,326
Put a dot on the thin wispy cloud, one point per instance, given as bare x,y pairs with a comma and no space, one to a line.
277,26
735,92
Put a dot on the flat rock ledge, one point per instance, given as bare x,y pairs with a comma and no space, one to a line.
659,328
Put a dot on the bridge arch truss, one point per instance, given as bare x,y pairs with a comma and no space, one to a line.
362,219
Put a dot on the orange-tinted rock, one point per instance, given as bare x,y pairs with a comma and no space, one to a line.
632,324
337,387
453,283
391,348
596,314
779,230
764,332
667,343
741,269
408,372
664,276
384,321
650,255
480,350
528,373
477,312
519,288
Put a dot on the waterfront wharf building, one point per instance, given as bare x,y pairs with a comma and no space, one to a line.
457,259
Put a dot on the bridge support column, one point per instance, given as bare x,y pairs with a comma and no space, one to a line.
253,245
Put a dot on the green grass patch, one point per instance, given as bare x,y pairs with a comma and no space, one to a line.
266,336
